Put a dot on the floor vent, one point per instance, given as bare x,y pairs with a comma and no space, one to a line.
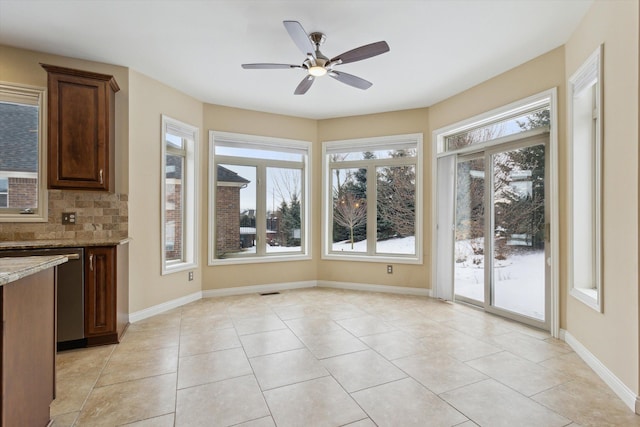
271,293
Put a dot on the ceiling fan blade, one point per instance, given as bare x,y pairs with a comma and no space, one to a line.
362,52
304,85
300,37
351,80
268,66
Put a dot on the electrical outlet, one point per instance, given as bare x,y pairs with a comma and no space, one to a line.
190,275
68,217
389,269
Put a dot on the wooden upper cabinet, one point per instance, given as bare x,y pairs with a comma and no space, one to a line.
81,131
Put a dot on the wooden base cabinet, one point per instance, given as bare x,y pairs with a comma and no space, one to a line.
27,371
104,311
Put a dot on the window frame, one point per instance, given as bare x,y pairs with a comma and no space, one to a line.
190,136
390,142
270,144
587,77
37,96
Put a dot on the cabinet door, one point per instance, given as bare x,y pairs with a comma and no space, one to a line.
81,129
100,291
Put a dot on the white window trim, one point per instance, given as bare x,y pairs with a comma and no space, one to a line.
373,144
583,78
33,95
190,208
267,143
438,137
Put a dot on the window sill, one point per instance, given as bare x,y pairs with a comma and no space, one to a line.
21,218
400,259
177,267
257,259
588,297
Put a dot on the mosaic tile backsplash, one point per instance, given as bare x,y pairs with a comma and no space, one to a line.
98,216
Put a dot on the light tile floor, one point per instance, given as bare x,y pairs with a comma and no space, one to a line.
326,357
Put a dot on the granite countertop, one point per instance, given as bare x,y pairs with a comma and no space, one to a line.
15,268
63,243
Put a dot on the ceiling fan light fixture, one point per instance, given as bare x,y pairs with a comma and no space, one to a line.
317,71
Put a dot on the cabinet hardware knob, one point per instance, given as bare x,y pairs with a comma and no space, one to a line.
91,262
101,180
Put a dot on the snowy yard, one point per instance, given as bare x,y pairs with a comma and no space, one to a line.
404,245
519,280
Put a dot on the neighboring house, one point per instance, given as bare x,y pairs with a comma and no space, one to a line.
19,159
228,236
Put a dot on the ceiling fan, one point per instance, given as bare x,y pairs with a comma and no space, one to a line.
317,65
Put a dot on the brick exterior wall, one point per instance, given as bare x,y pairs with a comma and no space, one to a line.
23,192
174,196
98,216
227,220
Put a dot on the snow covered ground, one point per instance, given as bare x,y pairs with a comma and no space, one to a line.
519,283
404,245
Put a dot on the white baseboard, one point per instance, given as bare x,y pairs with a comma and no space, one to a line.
257,289
375,288
165,306
625,393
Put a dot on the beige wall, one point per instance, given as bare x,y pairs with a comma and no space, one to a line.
391,123
225,119
612,336
149,100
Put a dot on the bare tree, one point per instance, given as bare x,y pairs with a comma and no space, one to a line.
350,213
396,189
286,184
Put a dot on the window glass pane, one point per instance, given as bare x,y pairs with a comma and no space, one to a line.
19,155
284,215
174,204
174,141
253,153
4,187
396,213
510,126
235,210
349,194
368,155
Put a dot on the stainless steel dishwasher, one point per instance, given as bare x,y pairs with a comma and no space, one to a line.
70,297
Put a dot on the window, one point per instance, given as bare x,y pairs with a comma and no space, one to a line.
258,198
4,192
179,204
23,191
585,127
373,199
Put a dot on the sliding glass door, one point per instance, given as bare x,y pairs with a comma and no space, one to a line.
500,223
518,222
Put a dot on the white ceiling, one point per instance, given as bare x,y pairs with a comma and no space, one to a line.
438,47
